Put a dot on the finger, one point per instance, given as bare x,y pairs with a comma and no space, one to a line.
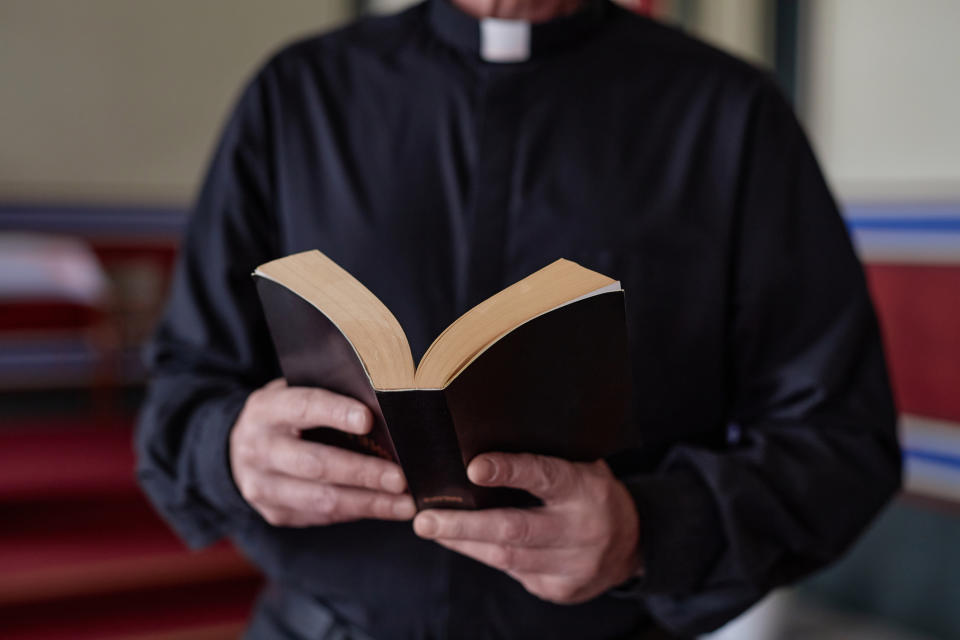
280,517
556,589
514,527
284,517
304,407
544,476
516,559
333,465
324,504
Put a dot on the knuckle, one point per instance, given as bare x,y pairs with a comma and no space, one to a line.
600,491
532,583
319,520
338,412
308,465
503,557
245,452
274,517
514,528
548,468
559,592
367,475
381,507
259,403
506,471
594,531
450,527
589,488
326,500
252,491
364,505
447,527
550,472
300,407
255,400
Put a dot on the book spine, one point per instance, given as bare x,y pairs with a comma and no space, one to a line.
423,434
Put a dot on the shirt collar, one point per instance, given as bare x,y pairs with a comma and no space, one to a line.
509,40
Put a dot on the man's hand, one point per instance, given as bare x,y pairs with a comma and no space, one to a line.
295,483
583,541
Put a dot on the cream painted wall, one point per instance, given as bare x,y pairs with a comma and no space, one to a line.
882,96
742,27
116,100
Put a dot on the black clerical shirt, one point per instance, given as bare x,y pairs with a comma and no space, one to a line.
763,427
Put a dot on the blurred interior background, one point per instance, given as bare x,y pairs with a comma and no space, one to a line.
108,111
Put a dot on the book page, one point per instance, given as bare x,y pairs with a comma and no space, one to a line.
366,322
560,282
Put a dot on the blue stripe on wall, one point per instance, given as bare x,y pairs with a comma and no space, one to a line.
146,220
934,457
133,220
939,225
903,217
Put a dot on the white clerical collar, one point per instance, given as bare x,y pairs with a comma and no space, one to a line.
496,41
504,40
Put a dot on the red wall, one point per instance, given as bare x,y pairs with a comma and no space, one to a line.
919,309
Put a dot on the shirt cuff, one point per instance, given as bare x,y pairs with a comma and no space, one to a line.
211,454
200,499
681,534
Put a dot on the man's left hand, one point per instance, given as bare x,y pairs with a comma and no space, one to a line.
583,541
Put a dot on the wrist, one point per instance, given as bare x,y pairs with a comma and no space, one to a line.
637,564
631,528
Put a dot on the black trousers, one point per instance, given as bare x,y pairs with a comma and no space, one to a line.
282,613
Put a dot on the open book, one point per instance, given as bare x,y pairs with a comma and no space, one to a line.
540,367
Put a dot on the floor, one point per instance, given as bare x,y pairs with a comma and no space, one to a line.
787,615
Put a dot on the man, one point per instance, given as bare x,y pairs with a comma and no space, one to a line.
439,157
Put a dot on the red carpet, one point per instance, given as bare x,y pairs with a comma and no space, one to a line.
84,556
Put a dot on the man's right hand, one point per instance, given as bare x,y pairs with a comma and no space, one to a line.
295,483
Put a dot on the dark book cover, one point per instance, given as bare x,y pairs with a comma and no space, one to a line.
556,385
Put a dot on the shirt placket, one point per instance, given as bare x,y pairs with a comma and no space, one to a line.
500,115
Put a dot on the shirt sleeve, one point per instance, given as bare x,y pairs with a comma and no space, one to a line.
211,347
812,452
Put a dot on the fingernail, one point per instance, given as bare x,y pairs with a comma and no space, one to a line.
482,470
425,525
405,509
392,481
357,418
